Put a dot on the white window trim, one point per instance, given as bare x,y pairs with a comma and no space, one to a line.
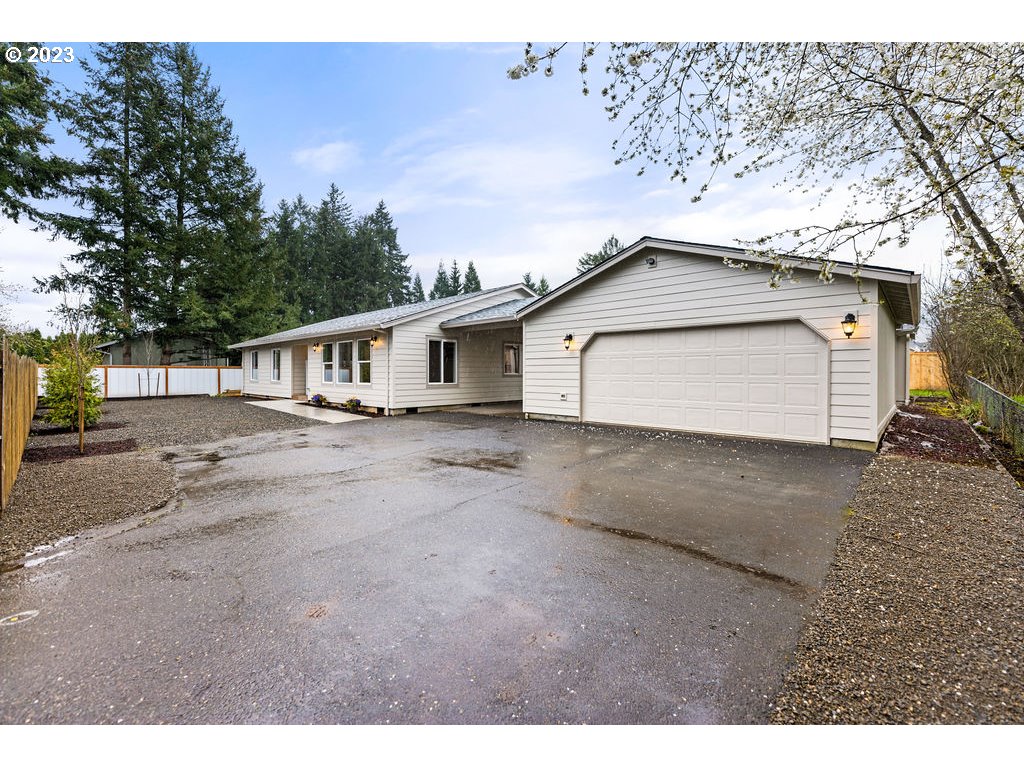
278,369
442,382
351,361
323,365
519,344
254,365
357,368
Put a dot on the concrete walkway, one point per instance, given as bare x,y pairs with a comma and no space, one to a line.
329,415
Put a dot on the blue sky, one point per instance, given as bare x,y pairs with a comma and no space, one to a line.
516,176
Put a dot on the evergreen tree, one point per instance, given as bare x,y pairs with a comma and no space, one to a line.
541,287
333,282
610,248
442,285
455,279
395,277
211,218
25,106
117,120
471,282
416,292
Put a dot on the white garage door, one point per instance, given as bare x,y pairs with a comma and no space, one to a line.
757,380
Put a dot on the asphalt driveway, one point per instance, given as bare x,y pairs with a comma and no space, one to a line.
438,568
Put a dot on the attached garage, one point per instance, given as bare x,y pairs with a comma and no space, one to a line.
756,379
668,335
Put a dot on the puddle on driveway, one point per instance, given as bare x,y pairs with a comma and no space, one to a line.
486,461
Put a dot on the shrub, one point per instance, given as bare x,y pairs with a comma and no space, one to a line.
61,395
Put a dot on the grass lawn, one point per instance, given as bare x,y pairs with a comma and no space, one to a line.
929,393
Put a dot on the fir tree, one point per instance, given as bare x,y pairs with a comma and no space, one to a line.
587,260
210,223
117,119
471,282
395,274
455,279
416,292
442,285
25,106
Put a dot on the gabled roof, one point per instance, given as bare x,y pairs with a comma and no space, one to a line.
498,313
375,320
901,287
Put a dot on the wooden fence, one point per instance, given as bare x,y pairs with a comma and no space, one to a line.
18,390
926,371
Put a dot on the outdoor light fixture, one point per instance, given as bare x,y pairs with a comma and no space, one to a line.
373,341
849,324
567,341
316,347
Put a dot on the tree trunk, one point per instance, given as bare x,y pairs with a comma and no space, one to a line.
165,353
81,417
126,352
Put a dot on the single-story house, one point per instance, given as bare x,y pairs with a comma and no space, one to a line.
665,334
457,350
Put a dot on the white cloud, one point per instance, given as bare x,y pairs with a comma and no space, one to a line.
331,157
26,256
486,174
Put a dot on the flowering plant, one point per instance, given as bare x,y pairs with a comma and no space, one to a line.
318,399
352,404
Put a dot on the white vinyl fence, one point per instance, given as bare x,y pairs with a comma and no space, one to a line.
160,380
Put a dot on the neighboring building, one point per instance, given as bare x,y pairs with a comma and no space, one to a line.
147,351
665,335
452,351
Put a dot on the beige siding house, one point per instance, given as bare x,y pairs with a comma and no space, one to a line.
666,335
458,350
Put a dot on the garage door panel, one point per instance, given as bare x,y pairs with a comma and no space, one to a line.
763,364
760,380
729,392
761,393
803,394
729,365
697,365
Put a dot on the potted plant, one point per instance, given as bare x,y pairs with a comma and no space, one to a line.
352,404
319,400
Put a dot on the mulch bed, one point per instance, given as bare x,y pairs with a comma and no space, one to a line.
923,432
65,452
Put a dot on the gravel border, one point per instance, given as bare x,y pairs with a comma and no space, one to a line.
54,499
922,616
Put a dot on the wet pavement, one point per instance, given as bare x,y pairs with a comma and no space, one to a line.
437,568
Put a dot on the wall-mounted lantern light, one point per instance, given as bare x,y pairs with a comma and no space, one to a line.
373,341
567,341
849,324
316,347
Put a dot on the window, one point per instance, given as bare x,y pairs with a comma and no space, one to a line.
254,366
512,356
344,362
275,365
327,359
441,361
363,350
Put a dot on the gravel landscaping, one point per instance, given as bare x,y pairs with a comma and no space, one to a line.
922,616
60,493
